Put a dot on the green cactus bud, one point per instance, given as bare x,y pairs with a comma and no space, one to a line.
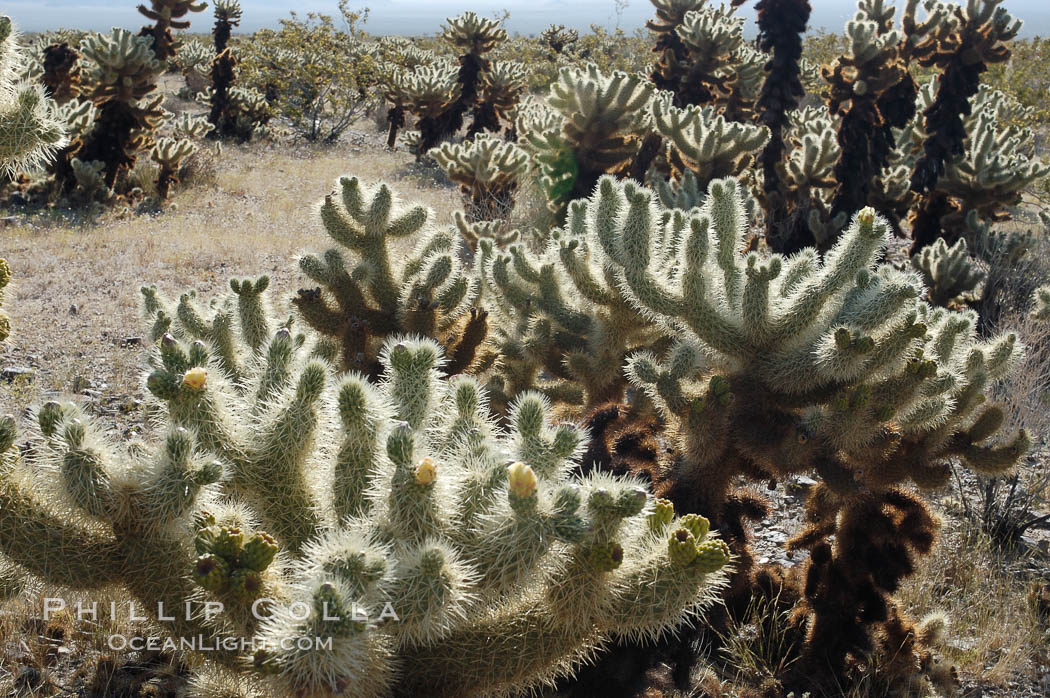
605,557
163,384
204,541
228,543
258,552
681,547
245,583
49,417
711,556
661,516
695,524
631,501
212,572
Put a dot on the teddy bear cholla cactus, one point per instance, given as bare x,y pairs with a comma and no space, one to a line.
166,16
169,153
787,365
30,130
502,86
378,291
503,570
947,272
487,171
596,126
705,142
563,316
986,176
123,75
703,58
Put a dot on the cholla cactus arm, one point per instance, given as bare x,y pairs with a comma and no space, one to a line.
253,312
30,128
5,280
1041,303
474,231
38,537
948,272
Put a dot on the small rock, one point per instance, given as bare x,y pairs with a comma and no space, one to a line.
10,373
800,486
94,394
131,341
73,309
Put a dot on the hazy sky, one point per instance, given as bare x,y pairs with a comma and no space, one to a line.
425,17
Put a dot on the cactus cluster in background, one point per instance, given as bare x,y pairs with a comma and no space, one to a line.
502,571
443,95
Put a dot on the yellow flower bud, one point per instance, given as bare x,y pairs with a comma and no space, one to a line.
195,378
522,480
866,216
426,471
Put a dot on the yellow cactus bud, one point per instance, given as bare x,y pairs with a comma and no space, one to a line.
195,378
426,471
522,480
866,216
